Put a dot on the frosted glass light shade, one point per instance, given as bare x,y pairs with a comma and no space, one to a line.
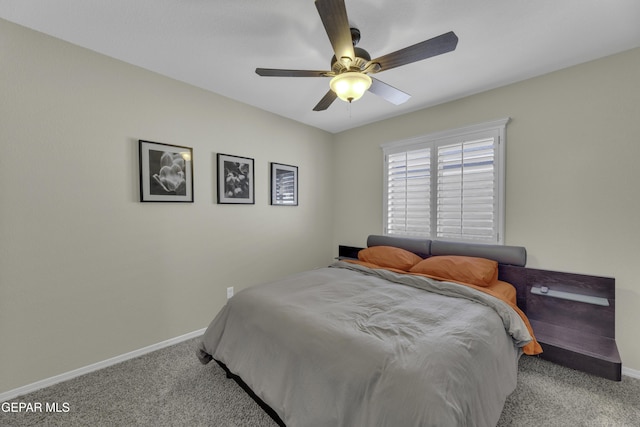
350,86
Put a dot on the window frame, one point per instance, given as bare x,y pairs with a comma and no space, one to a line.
496,129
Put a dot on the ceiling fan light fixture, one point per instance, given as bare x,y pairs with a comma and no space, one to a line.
350,86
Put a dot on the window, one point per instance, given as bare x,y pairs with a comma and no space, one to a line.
447,185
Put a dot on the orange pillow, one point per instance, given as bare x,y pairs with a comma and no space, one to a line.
472,270
390,257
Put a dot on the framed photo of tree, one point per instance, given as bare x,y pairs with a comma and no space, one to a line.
166,172
284,185
235,180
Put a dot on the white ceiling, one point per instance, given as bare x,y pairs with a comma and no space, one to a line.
217,44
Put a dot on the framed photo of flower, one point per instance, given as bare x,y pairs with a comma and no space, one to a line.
166,172
284,185
235,180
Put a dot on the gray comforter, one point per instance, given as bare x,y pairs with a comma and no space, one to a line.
351,346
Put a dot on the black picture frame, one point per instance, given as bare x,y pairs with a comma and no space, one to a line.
284,185
236,179
166,172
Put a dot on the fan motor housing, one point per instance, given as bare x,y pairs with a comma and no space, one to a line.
361,60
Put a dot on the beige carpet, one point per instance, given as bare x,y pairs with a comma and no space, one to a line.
170,387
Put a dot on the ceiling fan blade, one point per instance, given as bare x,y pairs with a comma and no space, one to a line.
275,72
326,101
333,14
436,46
388,92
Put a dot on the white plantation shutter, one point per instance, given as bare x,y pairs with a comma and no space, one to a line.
466,190
447,186
409,192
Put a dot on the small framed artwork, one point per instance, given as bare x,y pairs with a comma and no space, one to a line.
284,185
166,172
235,180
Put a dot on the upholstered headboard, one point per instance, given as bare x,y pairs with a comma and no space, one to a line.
421,247
509,255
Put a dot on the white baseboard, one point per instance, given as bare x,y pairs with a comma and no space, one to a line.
12,394
630,372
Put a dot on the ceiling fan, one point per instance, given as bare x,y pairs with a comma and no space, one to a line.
351,65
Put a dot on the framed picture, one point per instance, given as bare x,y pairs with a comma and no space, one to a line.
235,180
166,172
284,185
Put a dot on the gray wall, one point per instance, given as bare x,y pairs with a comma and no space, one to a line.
87,272
572,180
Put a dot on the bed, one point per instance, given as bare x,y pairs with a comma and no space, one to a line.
368,342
